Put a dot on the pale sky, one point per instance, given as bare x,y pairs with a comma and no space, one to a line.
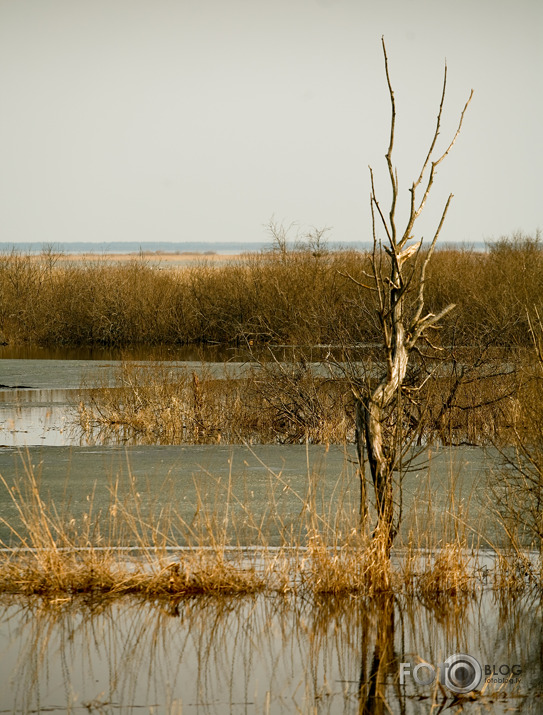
199,120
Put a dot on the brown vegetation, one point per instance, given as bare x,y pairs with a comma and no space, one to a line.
518,490
292,297
132,547
291,402
156,403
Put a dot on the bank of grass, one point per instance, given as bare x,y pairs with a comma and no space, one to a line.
132,548
293,297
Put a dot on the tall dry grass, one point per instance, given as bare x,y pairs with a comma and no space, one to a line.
132,547
469,401
161,403
518,482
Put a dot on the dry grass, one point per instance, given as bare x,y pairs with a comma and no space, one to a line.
517,491
447,574
132,548
56,554
159,403
359,565
287,403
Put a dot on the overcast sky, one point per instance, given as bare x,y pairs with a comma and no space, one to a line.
184,120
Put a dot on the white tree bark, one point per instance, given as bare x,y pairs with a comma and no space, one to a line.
401,317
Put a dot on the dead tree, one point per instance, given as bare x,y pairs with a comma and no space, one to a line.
396,280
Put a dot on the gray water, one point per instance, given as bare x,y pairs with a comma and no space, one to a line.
37,428
39,396
267,654
269,484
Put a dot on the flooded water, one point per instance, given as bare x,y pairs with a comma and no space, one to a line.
265,654
270,483
38,396
37,407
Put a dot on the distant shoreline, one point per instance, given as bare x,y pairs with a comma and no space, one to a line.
132,247
183,249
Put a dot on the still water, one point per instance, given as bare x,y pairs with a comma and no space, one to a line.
265,654
272,483
38,396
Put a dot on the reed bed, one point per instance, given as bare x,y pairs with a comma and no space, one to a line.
297,296
133,548
160,404
288,402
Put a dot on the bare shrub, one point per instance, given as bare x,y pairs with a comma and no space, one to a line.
300,296
158,403
518,493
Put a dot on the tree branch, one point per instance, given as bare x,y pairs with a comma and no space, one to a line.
393,174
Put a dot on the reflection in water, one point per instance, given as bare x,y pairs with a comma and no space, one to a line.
39,397
36,417
373,685
267,654
207,353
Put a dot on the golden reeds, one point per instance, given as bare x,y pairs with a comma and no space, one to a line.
133,547
279,402
161,403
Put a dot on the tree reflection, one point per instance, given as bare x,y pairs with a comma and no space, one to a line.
372,685
264,654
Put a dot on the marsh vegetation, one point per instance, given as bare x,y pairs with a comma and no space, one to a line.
218,604
390,353
294,297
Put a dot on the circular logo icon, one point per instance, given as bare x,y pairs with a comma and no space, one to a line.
462,673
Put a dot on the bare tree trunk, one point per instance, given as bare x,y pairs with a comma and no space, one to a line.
381,453
397,281
360,439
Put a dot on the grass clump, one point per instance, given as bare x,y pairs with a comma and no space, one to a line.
219,547
158,403
289,402
360,565
446,575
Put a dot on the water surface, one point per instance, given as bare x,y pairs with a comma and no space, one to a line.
267,654
269,484
39,396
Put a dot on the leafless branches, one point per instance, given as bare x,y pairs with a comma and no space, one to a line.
397,282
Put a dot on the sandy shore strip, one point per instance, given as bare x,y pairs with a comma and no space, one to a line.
154,258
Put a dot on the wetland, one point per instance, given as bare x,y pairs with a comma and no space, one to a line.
280,645
180,521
